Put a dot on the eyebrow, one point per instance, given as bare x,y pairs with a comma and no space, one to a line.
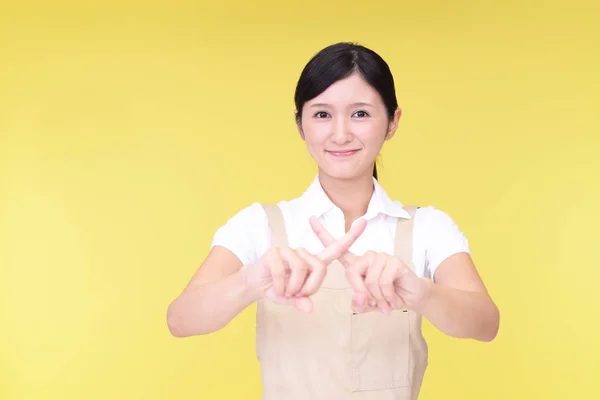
360,104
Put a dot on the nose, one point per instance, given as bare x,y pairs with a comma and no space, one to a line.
340,132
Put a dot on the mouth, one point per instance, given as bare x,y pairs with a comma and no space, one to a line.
343,153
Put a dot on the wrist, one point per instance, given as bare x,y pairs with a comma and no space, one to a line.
249,290
424,298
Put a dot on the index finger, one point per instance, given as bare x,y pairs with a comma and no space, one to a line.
319,230
339,247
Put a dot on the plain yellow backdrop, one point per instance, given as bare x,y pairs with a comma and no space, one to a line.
130,131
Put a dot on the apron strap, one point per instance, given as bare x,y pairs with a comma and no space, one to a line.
277,225
404,237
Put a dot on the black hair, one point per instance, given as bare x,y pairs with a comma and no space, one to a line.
338,61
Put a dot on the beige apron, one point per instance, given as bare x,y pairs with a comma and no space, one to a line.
333,353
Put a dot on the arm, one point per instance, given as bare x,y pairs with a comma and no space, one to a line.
214,296
218,291
222,287
458,303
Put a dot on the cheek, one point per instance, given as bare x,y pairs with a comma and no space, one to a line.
315,134
370,134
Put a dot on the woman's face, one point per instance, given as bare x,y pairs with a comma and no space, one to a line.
345,127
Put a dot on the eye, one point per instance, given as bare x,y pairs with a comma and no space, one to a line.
321,114
361,114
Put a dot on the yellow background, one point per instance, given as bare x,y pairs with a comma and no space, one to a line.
130,131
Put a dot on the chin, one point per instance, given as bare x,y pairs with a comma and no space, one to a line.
345,174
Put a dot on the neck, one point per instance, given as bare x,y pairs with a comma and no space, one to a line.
350,196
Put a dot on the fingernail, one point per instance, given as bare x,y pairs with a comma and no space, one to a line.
372,303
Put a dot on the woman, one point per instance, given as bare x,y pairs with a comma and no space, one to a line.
340,318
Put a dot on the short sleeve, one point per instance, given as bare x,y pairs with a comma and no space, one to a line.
440,236
246,234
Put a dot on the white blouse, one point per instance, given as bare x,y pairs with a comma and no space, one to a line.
435,235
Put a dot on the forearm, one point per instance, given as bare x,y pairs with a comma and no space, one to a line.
209,307
460,313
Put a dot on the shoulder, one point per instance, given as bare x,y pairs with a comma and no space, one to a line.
431,217
437,236
436,224
253,212
245,219
245,233
253,218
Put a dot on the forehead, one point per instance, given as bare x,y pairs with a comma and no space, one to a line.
352,89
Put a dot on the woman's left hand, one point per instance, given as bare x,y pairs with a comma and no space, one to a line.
384,282
380,281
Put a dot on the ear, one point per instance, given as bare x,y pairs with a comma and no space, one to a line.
298,124
393,125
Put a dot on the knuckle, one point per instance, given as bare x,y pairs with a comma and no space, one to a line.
372,278
301,266
370,284
285,252
317,269
272,254
309,290
277,272
387,289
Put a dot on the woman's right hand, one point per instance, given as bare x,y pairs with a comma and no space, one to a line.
291,276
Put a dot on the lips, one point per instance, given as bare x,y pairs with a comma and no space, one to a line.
342,153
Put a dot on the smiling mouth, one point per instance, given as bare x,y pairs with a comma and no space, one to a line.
342,153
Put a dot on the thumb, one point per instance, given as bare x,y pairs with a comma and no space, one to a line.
360,303
304,304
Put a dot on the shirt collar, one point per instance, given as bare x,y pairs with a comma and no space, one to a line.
318,203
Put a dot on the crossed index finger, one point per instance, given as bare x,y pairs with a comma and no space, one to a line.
337,249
